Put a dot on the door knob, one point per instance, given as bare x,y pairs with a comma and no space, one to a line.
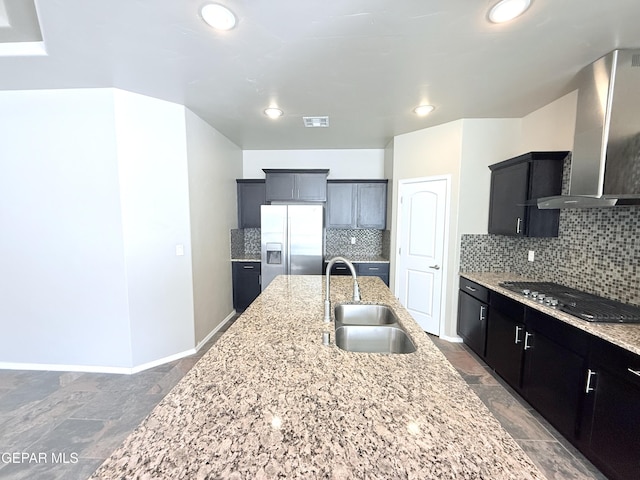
435,267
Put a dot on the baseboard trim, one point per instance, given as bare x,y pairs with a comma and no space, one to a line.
455,339
54,367
215,330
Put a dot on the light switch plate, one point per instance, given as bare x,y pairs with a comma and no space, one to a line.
179,250
353,240
532,255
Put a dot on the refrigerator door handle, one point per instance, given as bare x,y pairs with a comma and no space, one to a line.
287,249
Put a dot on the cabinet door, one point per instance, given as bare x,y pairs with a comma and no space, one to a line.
509,190
554,370
505,338
612,416
472,322
280,186
250,197
246,284
371,205
552,382
311,187
340,205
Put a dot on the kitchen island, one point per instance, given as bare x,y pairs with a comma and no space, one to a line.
269,400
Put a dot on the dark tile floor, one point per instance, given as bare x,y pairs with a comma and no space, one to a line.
553,455
69,423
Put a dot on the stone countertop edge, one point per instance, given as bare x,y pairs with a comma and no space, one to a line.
247,258
626,336
360,258
268,400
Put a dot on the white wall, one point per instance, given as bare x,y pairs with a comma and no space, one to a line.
426,153
214,164
154,190
63,296
551,127
355,164
98,188
484,142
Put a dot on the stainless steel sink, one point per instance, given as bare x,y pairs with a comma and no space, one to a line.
364,314
373,339
370,328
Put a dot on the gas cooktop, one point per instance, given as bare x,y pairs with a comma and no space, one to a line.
586,306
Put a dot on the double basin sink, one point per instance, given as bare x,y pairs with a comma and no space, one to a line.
370,328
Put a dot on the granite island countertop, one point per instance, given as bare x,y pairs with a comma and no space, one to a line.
626,335
268,400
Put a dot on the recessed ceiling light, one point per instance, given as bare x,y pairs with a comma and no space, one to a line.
506,10
218,16
273,112
423,110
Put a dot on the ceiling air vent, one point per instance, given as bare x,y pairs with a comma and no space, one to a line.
314,122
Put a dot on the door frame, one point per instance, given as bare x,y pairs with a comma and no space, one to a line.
445,248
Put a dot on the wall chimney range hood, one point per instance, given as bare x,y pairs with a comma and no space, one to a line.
605,165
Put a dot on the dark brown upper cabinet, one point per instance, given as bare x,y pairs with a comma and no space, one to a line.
285,185
515,185
251,195
357,204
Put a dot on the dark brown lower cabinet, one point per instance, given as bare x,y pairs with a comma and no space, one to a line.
586,387
472,315
505,338
554,370
246,284
611,419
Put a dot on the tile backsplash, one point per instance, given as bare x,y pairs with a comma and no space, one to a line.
338,242
369,243
597,250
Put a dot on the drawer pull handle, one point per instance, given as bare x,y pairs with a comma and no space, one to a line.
527,335
518,225
248,267
341,268
635,372
483,310
373,268
471,289
590,375
517,340
435,267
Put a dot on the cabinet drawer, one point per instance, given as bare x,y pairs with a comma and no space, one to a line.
339,269
373,268
475,290
561,333
620,362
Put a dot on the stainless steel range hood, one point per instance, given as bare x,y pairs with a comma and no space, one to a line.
605,165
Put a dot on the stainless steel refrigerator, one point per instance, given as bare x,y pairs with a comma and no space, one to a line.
291,238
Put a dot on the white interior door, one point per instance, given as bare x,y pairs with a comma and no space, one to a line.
421,244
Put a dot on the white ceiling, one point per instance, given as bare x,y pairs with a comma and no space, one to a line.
364,63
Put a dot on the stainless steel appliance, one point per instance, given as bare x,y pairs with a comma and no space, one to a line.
291,240
605,170
586,306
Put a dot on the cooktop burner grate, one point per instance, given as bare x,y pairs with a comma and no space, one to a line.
586,306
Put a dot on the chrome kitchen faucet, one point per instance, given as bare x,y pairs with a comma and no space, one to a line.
356,288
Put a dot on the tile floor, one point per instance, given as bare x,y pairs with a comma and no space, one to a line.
70,422
553,455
